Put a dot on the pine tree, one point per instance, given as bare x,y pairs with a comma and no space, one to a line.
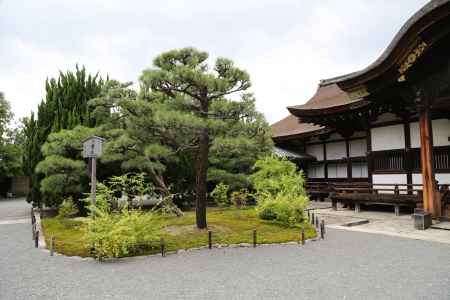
188,105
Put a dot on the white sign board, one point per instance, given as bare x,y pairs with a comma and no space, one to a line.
92,147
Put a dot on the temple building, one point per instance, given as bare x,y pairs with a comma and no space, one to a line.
385,126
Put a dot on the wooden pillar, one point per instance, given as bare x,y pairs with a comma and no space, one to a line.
430,194
369,152
408,163
349,161
325,163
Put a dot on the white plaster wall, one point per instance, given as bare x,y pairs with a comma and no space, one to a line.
388,179
358,148
336,150
388,137
316,171
337,170
316,151
417,178
359,170
442,178
441,132
415,135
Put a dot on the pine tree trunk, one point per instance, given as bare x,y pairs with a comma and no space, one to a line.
201,169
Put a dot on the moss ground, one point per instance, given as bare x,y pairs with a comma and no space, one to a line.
228,226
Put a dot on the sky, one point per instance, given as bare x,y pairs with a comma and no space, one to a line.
287,46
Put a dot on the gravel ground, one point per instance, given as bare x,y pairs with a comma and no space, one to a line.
347,265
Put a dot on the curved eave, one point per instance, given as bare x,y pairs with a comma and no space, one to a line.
305,113
302,135
403,42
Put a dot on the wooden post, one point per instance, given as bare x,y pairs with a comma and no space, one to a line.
430,201
303,235
322,230
312,219
163,247
254,238
36,239
317,222
209,239
93,179
52,246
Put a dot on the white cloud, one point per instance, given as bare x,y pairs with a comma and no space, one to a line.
286,45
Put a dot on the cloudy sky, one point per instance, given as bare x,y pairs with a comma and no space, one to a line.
287,46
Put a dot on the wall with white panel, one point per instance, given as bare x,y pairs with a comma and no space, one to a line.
336,150
337,170
358,148
388,179
415,134
441,133
315,150
316,171
442,178
388,137
359,170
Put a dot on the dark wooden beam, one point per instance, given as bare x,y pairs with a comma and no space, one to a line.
408,163
349,161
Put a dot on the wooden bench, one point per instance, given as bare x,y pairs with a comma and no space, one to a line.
397,195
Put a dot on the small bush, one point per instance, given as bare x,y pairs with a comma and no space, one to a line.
220,194
67,209
280,191
166,207
283,210
121,234
240,198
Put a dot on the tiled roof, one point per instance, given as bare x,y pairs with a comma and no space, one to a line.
291,126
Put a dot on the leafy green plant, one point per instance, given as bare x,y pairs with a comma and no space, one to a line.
67,209
240,198
121,233
274,176
220,194
283,210
167,207
280,191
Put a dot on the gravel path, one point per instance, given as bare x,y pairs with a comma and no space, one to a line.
347,265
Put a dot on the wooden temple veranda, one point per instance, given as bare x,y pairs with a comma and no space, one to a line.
381,135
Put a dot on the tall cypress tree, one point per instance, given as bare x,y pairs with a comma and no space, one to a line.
64,107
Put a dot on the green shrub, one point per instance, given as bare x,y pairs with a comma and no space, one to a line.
67,209
280,191
274,176
240,198
283,210
166,207
220,194
122,233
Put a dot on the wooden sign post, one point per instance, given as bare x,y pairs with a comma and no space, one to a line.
92,148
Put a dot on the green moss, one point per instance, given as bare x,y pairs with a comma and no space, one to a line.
229,226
